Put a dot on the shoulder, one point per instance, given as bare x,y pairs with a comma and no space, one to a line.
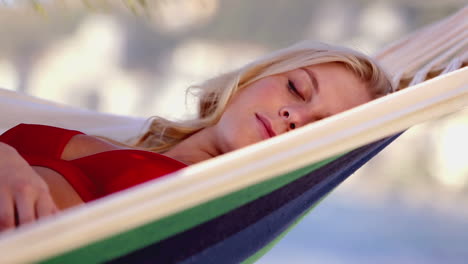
85,145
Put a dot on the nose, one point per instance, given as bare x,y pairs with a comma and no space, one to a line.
297,116
285,114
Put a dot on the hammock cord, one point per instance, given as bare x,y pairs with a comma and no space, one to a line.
434,50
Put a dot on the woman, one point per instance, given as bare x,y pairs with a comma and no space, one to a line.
277,93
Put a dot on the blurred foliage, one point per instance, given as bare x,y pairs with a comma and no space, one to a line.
136,7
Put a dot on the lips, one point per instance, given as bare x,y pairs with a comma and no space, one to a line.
266,124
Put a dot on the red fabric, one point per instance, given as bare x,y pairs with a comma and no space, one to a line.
92,176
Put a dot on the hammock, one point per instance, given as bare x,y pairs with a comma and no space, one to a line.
235,207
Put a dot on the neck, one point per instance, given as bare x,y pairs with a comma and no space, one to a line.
196,148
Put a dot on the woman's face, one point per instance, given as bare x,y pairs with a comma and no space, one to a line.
279,103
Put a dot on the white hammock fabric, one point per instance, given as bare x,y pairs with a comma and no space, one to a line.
22,108
438,49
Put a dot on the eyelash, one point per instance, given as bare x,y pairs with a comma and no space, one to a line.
293,89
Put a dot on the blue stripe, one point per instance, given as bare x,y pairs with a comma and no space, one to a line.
235,236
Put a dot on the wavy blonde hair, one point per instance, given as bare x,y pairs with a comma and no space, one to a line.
215,94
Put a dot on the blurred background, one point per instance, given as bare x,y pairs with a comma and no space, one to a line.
136,58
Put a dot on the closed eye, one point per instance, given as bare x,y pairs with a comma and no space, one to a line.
292,88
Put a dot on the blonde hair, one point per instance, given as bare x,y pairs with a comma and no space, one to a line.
214,94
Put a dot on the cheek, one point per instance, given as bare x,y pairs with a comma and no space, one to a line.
237,129
267,88
238,126
254,95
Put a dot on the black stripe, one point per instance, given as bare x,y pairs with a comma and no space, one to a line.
240,233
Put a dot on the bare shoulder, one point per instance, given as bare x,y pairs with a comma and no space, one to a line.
85,145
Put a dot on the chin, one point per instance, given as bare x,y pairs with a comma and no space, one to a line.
231,146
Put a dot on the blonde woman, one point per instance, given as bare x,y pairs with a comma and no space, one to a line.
49,169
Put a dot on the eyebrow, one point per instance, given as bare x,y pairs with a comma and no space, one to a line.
315,83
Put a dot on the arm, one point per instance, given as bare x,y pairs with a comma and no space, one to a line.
31,192
24,195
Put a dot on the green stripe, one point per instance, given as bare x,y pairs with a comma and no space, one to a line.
268,247
150,233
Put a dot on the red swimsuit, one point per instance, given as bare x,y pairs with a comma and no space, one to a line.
92,176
